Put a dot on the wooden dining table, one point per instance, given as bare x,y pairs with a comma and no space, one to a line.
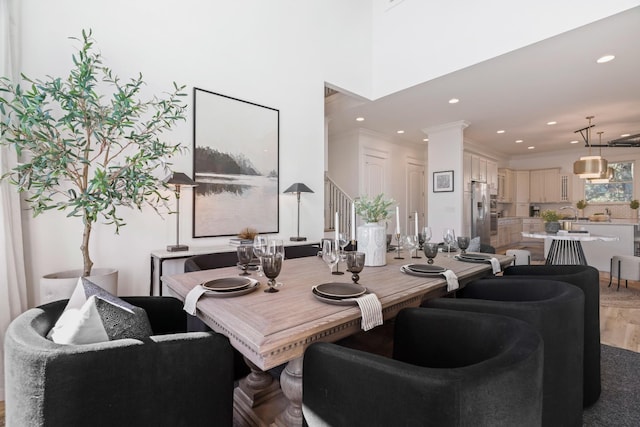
272,329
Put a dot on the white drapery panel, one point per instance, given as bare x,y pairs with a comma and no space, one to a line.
13,291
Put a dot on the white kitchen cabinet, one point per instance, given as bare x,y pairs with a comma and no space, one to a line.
521,179
566,188
478,168
532,225
505,185
544,186
492,177
467,166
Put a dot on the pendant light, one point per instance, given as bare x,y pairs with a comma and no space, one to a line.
590,166
608,174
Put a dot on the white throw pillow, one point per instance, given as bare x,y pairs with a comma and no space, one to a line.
94,315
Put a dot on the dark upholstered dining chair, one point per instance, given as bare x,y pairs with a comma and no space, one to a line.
449,368
174,378
586,278
556,310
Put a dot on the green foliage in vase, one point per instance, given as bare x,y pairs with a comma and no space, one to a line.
549,216
634,204
581,204
374,210
87,143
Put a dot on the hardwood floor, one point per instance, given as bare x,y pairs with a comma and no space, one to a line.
619,321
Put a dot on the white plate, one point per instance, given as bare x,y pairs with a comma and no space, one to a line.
340,290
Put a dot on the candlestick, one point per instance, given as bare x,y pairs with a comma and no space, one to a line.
353,221
416,218
337,227
397,220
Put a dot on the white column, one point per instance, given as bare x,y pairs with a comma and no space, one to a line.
444,153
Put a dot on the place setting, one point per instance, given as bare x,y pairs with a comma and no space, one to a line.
219,288
476,257
429,270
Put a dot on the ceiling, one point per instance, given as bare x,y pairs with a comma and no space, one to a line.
556,79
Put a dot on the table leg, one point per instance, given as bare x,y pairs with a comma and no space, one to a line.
256,399
291,384
567,252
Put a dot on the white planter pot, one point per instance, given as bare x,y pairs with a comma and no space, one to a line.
57,286
372,240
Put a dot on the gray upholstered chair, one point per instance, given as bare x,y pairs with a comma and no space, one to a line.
449,368
556,310
586,278
172,379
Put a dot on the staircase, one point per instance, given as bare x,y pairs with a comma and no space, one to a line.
336,200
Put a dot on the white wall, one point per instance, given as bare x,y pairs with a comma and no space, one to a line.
277,53
416,40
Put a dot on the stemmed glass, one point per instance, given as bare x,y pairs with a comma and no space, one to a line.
343,241
449,237
271,265
260,249
355,264
329,253
411,243
463,243
430,251
426,234
399,239
245,253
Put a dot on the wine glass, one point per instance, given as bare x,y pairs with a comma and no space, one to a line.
463,243
343,241
449,237
329,253
259,249
430,251
426,234
275,246
355,264
411,243
245,253
271,265
400,240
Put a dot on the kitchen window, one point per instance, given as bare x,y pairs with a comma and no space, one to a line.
619,189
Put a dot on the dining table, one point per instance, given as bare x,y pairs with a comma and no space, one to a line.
272,330
566,247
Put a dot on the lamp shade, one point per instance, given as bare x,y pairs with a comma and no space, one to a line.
298,187
180,179
590,167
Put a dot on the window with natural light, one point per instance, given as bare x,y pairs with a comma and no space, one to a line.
619,189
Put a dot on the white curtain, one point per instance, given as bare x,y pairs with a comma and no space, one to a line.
13,290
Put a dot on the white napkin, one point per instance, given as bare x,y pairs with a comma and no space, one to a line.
495,264
192,298
371,311
452,280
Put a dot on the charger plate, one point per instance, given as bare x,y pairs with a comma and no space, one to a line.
227,284
336,290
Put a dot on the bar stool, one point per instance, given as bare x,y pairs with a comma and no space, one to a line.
522,256
626,267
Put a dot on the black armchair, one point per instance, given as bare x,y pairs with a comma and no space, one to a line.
586,278
172,379
449,368
555,310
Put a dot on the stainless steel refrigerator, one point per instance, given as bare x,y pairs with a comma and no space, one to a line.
480,212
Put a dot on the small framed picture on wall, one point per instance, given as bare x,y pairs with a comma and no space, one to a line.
442,181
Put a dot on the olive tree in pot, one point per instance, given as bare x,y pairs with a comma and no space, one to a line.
87,143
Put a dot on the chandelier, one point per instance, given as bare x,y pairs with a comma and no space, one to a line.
608,174
590,167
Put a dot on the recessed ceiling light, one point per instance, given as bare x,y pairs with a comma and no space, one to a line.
518,141
575,141
359,119
426,140
551,123
400,131
605,58
624,135
531,147
500,131
454,101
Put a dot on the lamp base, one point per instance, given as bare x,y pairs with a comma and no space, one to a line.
298,239
177,248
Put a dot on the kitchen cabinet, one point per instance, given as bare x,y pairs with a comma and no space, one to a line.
492,177
532,225
566,187
505,185
521,193
478,168
544,186
466,172
509,231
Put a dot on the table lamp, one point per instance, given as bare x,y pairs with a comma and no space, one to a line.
298,188
178,180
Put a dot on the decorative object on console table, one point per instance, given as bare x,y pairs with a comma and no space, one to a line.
298,188
443,181
372,235
245,237
551,223
178,180
634,205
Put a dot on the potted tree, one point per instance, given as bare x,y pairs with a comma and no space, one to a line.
581,204
551,223
372,236
634,205
87,143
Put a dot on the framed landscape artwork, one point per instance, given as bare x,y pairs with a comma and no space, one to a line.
236,166
442,181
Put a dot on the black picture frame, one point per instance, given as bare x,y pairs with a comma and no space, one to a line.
443,181
236,165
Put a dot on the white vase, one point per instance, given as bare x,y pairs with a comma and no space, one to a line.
57,286
372,240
